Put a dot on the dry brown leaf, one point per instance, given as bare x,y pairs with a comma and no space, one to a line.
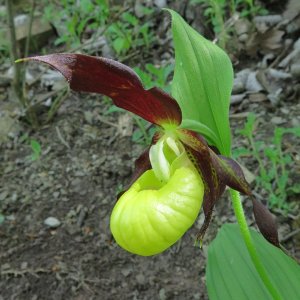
264,42
292,10
125,125
257,97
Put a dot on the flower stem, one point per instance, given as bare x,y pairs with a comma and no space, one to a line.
240,216
143,130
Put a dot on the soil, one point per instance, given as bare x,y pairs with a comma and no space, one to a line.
77,183
76,180
85,162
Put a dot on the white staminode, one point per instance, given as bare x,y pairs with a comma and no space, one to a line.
159,162
172,144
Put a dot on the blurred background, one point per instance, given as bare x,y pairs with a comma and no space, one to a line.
64,156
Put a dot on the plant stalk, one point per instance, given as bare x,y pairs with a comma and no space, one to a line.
241,219
17,79
32,116
256,154
143,130
56,104
28,39
19,71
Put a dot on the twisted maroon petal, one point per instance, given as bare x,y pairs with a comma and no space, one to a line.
218,171
200,154
265,222
117,81
142,164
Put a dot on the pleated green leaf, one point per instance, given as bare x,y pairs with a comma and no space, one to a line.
202,83
230,273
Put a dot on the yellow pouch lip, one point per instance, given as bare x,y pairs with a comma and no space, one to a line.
150,198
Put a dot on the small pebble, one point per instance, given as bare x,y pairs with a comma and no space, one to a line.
56,194
126,272
252,84
238,86
52,222
140,278
162,294
295,70
3,195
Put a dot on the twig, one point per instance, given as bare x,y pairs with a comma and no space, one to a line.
228,24
104,121
41,98
28,38
31,111
57,103
130,55
146,136
16,273
290,235
17,79
61,138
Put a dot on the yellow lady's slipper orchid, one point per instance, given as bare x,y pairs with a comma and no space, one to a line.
172,178
155,212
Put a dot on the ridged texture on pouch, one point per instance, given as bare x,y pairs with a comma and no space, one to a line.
151,216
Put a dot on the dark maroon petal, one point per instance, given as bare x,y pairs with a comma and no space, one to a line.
218,171
230,173
117,81
200,154
142,164
265,222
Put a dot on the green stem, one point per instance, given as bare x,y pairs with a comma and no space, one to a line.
14,54
143,129
256,154
240,216
281,159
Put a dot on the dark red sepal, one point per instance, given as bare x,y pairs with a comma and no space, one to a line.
265,222
141,165
200,154
230,173
218,171
117,81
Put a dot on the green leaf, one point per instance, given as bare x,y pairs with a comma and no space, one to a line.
200,127
249,125
131,19
145,78
36,149
202,81
230,273
241,151
119,44
295,189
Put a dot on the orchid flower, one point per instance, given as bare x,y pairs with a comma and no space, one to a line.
181,170
172,176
